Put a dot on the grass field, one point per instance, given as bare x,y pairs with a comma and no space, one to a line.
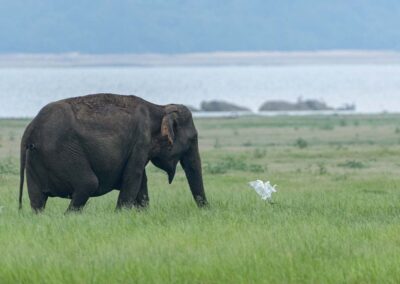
335,218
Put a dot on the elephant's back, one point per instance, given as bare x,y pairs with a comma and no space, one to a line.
52,120
86,107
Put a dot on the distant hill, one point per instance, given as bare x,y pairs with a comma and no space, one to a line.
180,26
302,105
221,106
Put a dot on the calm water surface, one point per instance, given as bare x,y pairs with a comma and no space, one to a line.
373,88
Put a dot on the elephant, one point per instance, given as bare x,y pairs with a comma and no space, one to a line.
86,146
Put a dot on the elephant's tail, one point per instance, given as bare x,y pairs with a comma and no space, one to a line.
25,147
22,174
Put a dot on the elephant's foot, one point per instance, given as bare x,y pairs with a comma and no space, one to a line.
77,203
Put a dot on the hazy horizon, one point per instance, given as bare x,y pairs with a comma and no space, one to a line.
266,58
179,26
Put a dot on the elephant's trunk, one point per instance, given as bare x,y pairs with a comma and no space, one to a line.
191,164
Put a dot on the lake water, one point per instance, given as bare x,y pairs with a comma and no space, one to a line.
373,88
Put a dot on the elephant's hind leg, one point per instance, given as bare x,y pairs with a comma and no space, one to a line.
82,191
36,196
38,202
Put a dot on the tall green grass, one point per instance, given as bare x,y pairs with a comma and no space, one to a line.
336,225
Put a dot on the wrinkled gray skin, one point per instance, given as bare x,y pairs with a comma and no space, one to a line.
87,146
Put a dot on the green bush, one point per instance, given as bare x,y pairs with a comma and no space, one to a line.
301,143
255,168
353,164
327,126
322,169
247,144
215,169
259,153
231,164
343,122
217,145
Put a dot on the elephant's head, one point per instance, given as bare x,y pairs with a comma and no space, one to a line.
178,142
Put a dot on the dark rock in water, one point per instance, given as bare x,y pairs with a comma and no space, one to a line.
348,107
277,106
192,108
300,105
221,106
312,105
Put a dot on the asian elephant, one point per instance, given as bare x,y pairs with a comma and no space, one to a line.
86,146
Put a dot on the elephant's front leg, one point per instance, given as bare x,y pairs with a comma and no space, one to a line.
142,199
131,183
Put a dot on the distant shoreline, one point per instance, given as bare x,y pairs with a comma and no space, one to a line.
233,114
267,58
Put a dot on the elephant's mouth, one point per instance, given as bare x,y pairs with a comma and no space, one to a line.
169,167
171,175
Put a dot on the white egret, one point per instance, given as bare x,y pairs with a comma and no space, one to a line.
264,189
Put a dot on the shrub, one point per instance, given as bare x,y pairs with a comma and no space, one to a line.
353,164
235,163
327,127
301,143
231,164
217,144
215,168
254,168
247,144
259,153
343,122
322,169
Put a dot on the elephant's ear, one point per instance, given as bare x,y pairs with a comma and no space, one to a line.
167,126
